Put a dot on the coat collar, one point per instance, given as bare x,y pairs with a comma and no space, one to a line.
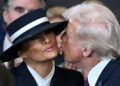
61,77
108,70
25,76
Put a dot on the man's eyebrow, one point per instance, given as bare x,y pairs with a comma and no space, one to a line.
18,7
22,8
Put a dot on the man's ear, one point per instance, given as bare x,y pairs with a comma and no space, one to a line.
6,16
86,52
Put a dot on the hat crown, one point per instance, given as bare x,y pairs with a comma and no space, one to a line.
26,22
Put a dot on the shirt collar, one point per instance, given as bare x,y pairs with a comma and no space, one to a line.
97,70
42,81
6,43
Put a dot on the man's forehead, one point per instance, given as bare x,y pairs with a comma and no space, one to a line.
24,3
28,5
73,24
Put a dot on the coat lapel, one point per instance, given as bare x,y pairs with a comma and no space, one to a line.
23,76
58,78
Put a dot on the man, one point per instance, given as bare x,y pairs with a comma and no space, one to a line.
14,9
92,40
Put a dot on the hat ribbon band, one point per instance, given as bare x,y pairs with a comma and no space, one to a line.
28,27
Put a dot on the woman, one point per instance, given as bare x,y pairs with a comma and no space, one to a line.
34,40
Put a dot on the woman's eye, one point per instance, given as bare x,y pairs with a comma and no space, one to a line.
48,32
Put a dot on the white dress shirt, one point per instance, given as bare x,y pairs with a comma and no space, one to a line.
97,70
39,80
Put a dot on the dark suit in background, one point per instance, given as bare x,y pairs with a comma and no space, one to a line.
2,35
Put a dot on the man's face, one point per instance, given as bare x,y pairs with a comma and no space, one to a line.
17,8
70,45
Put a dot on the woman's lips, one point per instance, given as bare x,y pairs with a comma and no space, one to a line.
51,48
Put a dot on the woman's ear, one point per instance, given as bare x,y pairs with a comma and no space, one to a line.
86,52
22,55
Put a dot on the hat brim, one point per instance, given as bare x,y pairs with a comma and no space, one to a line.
12,52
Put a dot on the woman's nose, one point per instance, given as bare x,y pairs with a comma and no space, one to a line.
47,40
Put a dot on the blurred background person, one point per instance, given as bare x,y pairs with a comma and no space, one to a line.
54,13
14,9
92,40
6,78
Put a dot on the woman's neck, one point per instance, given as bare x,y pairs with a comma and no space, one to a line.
42,68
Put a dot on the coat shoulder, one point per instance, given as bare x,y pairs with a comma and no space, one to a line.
70,76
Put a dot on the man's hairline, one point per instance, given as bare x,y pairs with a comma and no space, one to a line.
6,4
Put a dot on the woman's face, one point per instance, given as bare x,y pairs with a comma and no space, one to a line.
42,47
